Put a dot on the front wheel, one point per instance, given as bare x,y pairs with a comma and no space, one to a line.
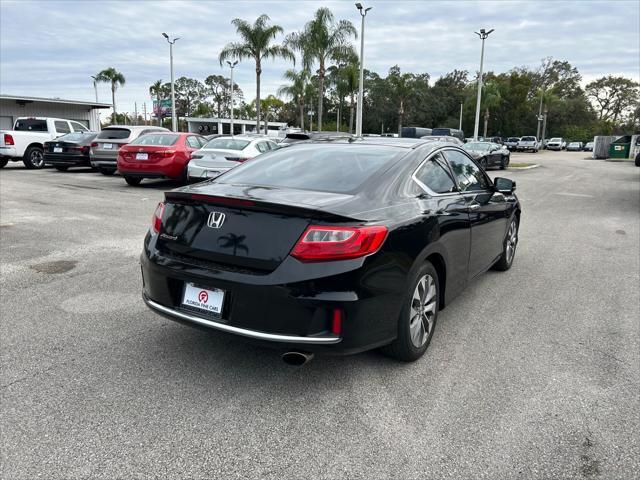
418,316
3,162
61,168
505,162
33,158
133,181
508,248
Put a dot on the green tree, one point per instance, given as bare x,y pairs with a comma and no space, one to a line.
116,79
158,91
189,92
323,40
271,106
491,98
613,96
256,43
296,89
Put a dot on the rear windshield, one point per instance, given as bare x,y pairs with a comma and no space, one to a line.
31,124
114,133
227,143
159,139
476,146
513,139
555,139
77,137
328,168
528,139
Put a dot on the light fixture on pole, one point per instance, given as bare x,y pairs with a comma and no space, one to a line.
363,13
174,122
483,35
232,66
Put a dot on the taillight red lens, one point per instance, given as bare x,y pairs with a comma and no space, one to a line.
8,139
94,144
156,220
84,149
324,243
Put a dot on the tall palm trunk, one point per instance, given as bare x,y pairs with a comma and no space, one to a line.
113,100
258,72
159,109
351,114
320,92
301,106
486,122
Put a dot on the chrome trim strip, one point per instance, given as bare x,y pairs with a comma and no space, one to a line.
241,331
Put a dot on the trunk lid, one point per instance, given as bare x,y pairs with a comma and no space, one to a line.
148,153
240,227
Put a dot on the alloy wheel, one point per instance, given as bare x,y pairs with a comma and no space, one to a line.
37,158
512,241
423,310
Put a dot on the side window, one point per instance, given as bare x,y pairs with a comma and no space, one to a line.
62,126
273,145
262,147
193,142
78,127
467,173
435,175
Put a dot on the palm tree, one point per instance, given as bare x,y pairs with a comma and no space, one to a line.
491,98
345,80
156,90
296,90
401,89
323,40
116,79
256,44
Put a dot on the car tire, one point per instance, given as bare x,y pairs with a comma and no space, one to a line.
133,181
419,313
33,158
3,162
483,163
504,162
508,248
106,171
61,168
638,160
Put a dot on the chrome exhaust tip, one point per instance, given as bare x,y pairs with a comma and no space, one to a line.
296,358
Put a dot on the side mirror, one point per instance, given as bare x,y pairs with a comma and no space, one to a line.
504,185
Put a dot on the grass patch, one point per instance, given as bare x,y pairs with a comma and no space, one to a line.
520,164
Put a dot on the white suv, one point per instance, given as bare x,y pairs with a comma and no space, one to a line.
556,143
528,144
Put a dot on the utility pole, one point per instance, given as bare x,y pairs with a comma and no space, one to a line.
460,122
232,66
174,121
483,35
135,113
363,13
144,106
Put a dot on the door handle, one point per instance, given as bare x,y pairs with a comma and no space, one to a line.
473,206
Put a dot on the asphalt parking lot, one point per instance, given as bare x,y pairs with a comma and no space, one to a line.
532,373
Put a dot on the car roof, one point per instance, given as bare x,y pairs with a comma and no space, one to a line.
139,127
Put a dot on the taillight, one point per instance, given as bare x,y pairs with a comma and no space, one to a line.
238,159
168,153
94,144
323,243
156,220
8,139
84,149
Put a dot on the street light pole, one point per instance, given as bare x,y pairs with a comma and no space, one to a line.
232,66
174,121
460,122
363,13
483,35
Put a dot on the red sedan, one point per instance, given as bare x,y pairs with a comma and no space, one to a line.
158,155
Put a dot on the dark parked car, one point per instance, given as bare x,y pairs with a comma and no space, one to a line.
489,154
414,132
448,132
70,150
318,136
330,247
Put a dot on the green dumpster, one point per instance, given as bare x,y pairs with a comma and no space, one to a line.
620,147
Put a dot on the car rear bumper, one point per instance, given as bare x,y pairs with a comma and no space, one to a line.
8,152
285,315
109,161
66,160
167,168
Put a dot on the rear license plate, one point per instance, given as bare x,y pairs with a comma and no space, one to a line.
207,300
107,146
142,156
57,149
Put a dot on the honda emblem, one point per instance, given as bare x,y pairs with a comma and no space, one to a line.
215,220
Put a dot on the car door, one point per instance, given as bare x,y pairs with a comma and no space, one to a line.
443,200
488,211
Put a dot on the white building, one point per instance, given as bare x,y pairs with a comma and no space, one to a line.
13,106
209,126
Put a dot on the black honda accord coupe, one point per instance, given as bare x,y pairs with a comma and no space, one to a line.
333,247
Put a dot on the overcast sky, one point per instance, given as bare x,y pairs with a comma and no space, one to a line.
50,48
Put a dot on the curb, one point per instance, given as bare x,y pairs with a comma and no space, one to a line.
524,168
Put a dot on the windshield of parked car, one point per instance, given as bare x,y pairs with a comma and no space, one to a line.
513,139
158,139
31,125
528,139
227,144
555,140
327,168
480,147
114,133
77,137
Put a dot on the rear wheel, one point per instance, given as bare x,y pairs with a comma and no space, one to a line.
418,316
33,157
508,248
133,181
106,171
61,168
505,162
483,163
3,162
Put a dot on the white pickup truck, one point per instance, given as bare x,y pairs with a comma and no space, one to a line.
25,142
